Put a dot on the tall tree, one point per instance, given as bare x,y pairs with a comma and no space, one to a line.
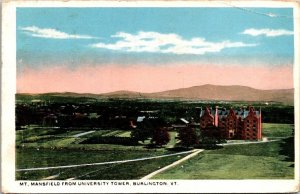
143,131
160,136
140,134
188,136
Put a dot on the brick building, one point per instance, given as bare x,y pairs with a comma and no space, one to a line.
231,124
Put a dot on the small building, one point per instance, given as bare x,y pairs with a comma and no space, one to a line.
180,123
140,119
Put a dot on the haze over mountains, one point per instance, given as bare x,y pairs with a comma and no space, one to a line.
203,92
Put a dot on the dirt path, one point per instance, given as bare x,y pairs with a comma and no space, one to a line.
196,151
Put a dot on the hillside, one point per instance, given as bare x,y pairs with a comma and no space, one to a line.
229,93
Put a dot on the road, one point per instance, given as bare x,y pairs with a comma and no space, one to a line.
247,142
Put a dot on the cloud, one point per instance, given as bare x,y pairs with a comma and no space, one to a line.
52,33
155,42
267,32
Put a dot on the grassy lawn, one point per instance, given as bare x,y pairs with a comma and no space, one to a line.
272,130
113,133
125,134
222,166
273,160
254,161
30,158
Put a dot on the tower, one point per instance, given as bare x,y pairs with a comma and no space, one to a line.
216,117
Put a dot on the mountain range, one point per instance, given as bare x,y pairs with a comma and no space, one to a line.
203,92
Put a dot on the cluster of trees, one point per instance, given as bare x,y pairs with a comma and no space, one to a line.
159,136
151,128
188,136
191,137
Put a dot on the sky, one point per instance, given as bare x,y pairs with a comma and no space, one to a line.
99,50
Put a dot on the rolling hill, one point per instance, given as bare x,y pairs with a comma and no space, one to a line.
229,93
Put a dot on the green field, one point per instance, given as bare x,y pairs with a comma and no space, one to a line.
272,160
52,147
274,130
55,147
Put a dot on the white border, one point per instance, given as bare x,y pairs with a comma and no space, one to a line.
148,3
297,90
8,91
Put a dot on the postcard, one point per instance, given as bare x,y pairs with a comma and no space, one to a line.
150,96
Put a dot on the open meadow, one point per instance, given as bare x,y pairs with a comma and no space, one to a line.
39,149
267,160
